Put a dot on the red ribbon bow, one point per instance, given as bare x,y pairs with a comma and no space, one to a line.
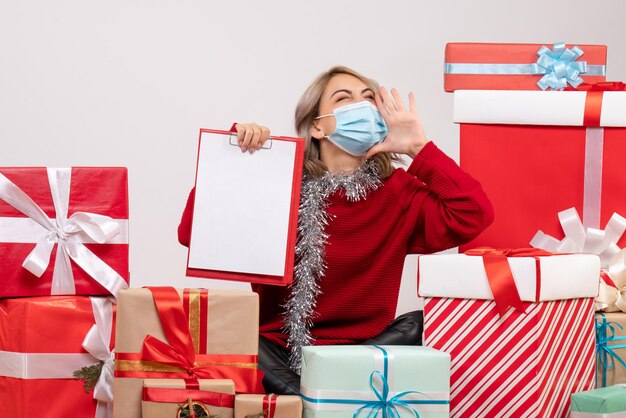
180,353
500,277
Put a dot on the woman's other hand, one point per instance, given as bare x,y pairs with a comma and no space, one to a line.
406,134
251,137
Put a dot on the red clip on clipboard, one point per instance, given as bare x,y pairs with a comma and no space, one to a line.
246,209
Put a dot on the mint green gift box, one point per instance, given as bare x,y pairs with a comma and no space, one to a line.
608,402
338,381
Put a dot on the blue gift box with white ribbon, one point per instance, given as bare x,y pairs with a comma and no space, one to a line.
375,381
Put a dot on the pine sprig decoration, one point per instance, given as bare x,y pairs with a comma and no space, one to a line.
259,415
89,375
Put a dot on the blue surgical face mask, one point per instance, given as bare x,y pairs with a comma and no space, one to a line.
359,126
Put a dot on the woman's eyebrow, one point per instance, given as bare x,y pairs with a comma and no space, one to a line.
367,89
340,91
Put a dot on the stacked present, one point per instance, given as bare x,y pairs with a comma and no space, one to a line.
63,232
64,242
543,132
187,337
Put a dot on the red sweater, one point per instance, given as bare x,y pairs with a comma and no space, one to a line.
431,207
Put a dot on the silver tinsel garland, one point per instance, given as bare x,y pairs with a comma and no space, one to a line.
309,267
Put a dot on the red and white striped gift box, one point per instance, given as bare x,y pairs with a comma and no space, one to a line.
521,364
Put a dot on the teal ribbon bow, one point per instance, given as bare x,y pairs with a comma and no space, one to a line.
605,334
387,406
559,67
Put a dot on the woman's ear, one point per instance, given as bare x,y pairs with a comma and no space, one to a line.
316,132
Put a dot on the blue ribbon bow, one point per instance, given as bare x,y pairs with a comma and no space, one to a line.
559,67
605,333
387,406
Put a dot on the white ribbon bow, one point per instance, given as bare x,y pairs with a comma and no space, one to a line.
68,233
96,343
613,299
593,241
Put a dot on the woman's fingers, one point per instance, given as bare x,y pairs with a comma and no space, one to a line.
265,134
251,136
241,129
378,148
412,106
381,106
256,137
390,106
247,138
398,100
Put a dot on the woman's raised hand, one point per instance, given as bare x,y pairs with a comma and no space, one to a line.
406,135
251,137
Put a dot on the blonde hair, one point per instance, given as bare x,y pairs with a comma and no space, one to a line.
308,109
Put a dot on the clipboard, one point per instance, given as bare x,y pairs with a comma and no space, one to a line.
245,215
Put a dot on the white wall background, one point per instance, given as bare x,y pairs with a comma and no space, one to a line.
130,82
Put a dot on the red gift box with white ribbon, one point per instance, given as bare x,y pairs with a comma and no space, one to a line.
63,231
512,66
539,153
39,354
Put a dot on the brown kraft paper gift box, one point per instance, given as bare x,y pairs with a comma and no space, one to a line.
617,373
162,398
221,324
284,406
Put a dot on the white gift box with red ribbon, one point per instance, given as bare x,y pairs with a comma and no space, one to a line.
525,361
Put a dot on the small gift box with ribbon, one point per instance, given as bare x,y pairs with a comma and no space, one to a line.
46,345
63,231
609,402
180,398
268,406
165,333
491,66
539,153
387,381
610,348
518,324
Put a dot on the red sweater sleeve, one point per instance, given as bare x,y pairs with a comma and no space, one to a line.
444,205
184,228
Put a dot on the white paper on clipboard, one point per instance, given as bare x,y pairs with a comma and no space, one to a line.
242,206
